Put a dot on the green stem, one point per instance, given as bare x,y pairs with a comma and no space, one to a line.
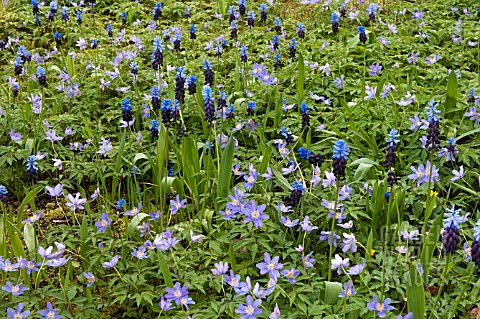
444,273
332,230
460,296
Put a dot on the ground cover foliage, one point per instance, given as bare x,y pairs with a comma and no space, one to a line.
221,159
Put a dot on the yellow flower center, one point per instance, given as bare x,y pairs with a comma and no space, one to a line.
15,288
271,266
379,306
104,223
255,213
234,282
249,310
51,315
177,293
251,179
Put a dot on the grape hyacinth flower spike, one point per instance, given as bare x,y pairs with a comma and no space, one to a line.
208,73
296,193
157,56
392,141
263,12
433,136
362,35
305,116
341,151
208,103
475,250
334,18
451,228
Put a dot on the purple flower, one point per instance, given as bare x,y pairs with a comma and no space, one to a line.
90,278
250,180
52,136
375,69
270,265
450,151
287,222
55,191
250,310
473,115
57,262
176,204
344,192
228,213
410,235
76,202
349,243
220,269
329,180
236,170
112,263
340,82
413,58
407,316
417,123
348,290
417,15
291,274
308,260
35,217
433,59
140,253
15,290
49,313
177,293
370,92
32,266
357,269
103,223
234,280
255,214
17,314
419,174
307,226
165,305
325,235
105,146
276,313
134,211
165,240
457,174
340,264
15,136
47,253
268,175
195,238
380,307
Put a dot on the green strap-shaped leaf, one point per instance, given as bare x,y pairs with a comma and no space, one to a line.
301,80
132,226
332,290
167,277
29,237
415,294
452,91
429,245
225,174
